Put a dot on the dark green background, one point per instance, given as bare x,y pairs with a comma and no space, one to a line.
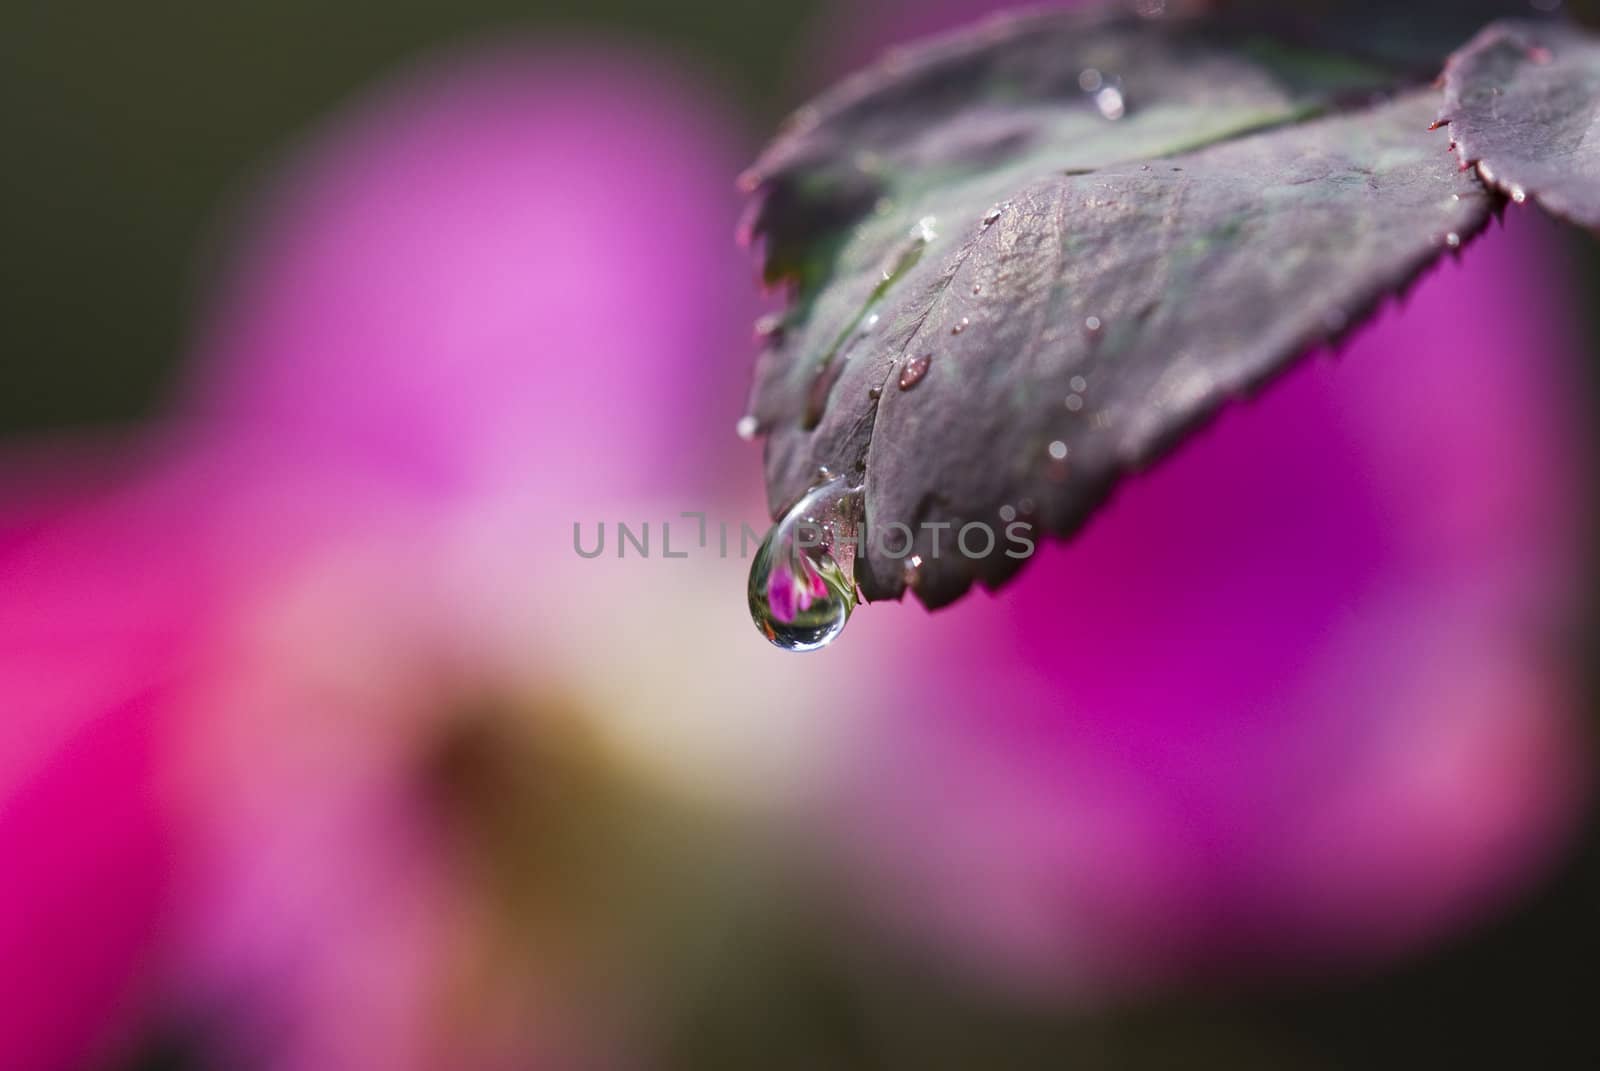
127,126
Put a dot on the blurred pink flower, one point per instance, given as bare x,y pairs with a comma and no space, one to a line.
92,626
505,288
471,269
507,278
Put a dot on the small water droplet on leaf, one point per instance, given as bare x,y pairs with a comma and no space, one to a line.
1109,101
914,369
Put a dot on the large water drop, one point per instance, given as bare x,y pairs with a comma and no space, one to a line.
802,581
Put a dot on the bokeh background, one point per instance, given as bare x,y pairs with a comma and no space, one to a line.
324,323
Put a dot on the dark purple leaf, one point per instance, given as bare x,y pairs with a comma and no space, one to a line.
1011,286
1522,101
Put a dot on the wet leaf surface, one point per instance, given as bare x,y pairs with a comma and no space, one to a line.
1523,104
1026,259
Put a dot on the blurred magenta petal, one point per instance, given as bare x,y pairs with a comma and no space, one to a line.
1298,694
485,273
509,277
98,608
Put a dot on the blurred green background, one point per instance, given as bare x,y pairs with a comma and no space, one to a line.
128,130
129,127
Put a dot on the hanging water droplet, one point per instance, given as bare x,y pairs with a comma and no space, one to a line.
912,372
1518,194
802,581
874,393
961,325
1453,240
993,214
769,325
747,428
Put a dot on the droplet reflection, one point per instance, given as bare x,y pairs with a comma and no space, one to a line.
802,581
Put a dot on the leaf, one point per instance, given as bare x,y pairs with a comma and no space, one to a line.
1522,101
1011,286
